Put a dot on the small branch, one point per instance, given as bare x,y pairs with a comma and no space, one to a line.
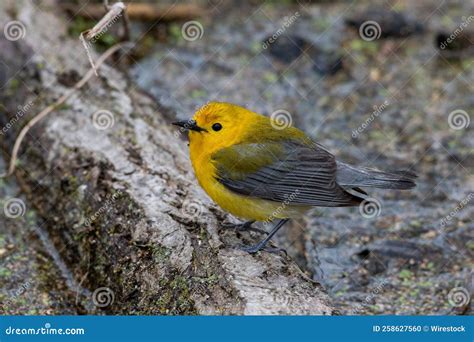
115,11
107,20
58,102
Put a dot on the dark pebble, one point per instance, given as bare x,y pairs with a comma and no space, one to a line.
392,24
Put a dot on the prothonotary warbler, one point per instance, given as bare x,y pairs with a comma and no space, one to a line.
259,170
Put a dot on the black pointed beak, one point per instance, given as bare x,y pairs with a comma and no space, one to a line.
189,125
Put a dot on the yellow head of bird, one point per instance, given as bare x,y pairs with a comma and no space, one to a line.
218,125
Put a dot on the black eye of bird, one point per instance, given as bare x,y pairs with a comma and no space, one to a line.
217,127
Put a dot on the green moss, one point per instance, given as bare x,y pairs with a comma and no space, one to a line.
63,106
5,272
174,33
425,283
73,182
198,93
322,23
175,297
470,245
430,265
270,77
359,45
14,84
160,253
467,63
210,280
78,25
405,274
30,217
256,47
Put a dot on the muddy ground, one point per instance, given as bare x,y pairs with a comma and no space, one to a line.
382,103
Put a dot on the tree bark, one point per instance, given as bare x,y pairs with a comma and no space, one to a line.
121,204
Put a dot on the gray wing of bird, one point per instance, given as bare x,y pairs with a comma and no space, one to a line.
303,174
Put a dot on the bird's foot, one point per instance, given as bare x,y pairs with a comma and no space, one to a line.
257,248
244,227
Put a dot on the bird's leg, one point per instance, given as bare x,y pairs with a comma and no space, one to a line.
261,245
246,226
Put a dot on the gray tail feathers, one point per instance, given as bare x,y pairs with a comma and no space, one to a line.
351,176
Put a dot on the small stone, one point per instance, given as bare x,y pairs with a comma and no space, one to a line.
429,235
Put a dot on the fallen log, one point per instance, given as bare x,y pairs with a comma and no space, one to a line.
112,181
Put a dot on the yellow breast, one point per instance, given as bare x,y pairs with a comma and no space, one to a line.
246,207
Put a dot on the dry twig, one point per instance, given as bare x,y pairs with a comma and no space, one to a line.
114,12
